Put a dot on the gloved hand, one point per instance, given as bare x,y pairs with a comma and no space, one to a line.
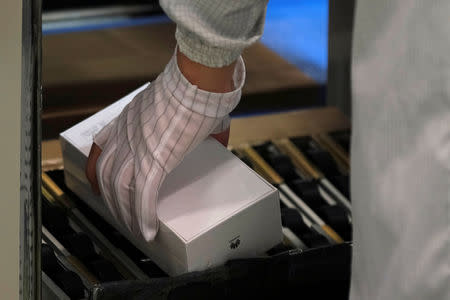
150,137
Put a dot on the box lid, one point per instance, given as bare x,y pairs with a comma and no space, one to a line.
197,196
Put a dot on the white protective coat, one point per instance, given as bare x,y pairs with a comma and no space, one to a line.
401,150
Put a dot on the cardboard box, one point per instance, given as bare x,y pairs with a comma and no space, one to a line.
212,207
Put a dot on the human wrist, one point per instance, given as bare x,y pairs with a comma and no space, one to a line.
196,95
217,80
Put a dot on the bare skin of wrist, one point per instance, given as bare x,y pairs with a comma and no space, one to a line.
216,80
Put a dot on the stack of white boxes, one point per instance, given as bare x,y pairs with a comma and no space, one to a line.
212,207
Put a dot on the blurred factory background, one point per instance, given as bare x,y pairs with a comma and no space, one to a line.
94,52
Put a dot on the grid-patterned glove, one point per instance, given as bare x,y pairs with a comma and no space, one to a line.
150,137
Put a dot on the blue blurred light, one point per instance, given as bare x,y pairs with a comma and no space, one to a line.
298,31
295,29
100,23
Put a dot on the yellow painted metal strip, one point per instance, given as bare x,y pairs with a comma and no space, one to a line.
51,185
47,195
333,234
335,150
261,166
338,148
55,191
298,158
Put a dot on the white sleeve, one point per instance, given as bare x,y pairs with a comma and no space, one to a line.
215,32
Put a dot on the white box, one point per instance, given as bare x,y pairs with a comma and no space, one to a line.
208,203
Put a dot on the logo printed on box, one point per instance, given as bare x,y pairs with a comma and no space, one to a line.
234,243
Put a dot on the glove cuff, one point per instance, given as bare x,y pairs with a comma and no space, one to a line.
215,105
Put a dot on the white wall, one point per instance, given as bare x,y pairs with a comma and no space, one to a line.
10,86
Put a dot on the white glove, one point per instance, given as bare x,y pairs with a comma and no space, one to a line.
151,136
